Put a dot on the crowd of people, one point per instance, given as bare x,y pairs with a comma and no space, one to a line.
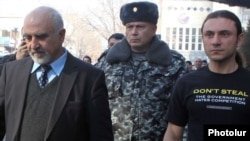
138,90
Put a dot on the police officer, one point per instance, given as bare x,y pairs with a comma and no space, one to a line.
140,73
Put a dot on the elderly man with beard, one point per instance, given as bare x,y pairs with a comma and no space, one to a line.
52,95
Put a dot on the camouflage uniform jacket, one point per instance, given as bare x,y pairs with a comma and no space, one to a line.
139,96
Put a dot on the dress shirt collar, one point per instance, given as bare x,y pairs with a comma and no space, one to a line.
57,66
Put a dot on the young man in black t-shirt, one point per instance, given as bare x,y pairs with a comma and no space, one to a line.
215,95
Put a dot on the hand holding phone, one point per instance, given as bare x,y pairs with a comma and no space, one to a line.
22,50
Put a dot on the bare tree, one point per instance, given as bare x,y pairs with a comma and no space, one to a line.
87,30
106,21
80,38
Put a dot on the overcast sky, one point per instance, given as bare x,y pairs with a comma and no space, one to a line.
21,7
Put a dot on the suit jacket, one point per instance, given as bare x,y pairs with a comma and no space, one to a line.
79,113
5,59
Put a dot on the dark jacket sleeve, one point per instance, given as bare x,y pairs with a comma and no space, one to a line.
5,59
99,113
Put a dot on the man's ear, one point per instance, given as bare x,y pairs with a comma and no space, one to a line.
62,34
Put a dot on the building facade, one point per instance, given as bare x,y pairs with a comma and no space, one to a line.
181,20
179,23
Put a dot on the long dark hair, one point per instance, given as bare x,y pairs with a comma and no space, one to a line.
224,14
239,58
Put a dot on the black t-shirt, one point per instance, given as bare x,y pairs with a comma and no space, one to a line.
203,97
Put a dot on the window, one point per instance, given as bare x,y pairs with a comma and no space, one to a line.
174,38
184,38
199,40
180,38
187,39
193,41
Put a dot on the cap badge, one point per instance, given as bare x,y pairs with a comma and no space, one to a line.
135,9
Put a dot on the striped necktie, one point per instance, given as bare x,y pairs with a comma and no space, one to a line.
43,79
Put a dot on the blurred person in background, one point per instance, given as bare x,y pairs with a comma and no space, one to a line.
204,63
114,38
197,63
87,59
190,66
